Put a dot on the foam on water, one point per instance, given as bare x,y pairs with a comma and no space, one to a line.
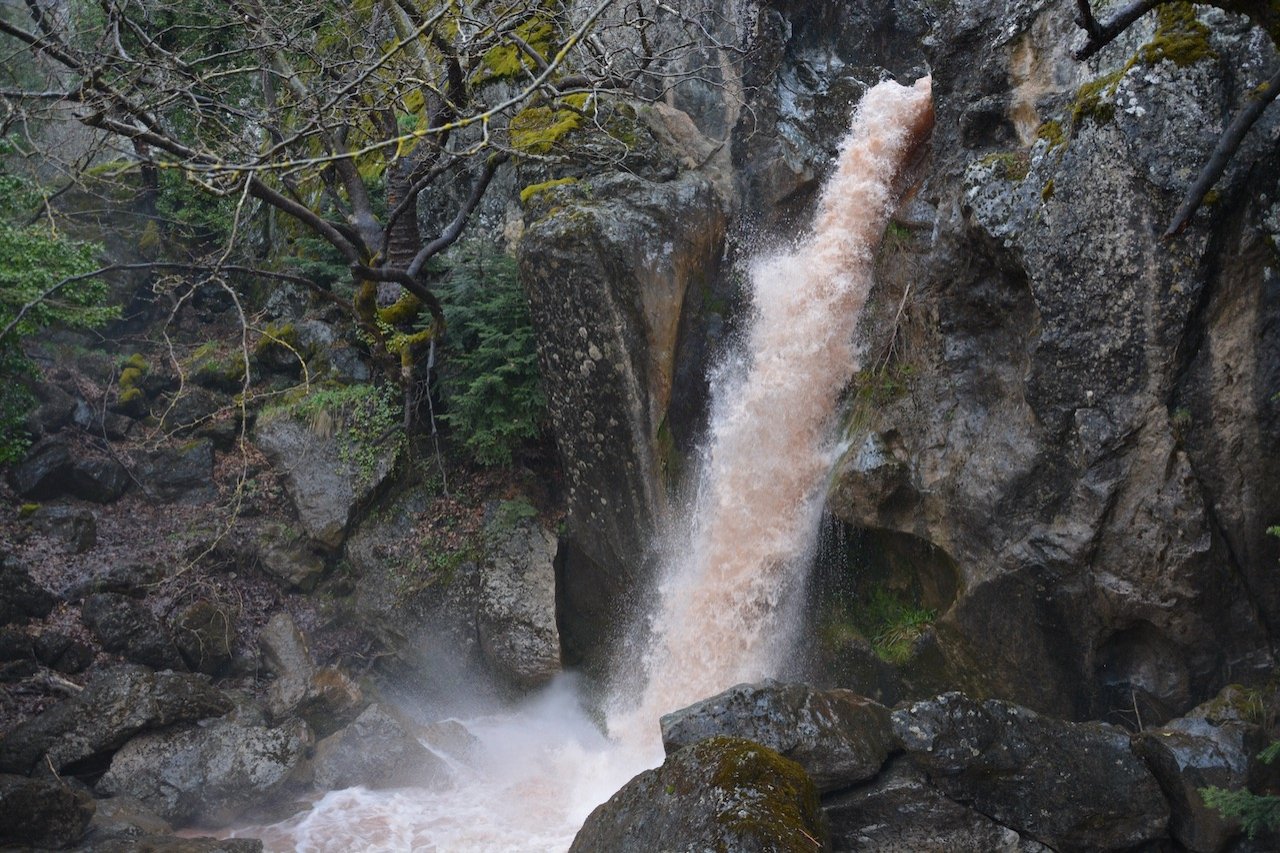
724,598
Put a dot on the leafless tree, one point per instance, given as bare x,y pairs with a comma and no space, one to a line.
342,114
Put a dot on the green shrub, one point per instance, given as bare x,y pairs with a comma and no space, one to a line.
36,265
1257,812
363,419
489,380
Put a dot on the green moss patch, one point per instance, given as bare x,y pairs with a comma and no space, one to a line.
1180,37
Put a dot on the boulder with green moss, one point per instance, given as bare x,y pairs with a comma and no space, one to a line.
722,794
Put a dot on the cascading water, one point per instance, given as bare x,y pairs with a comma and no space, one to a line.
537,771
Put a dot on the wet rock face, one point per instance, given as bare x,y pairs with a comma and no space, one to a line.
1076,382
125,625
377,750
838,737
720,794
1072,786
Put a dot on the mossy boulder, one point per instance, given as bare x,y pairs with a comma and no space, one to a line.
721,794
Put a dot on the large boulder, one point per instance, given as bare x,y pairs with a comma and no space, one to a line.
326,697
837,736
325,484
125,625
42,813
53,469
211,774
720,794
516,611
1072,786
118,703
900,812
608,264
377,750
76,528
204,632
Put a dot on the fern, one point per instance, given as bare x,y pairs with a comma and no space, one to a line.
489,385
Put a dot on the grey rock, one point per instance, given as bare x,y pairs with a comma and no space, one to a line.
75,527
127,626
181,474
65,654
119,818
325,697
173,844
51,469
1071,786
289,559
1198,751
325,488
132,579
118,703
42,813
21,598
719,794
837,736
377,750
204,632
211,774
53,412
516,613
900,812
285,652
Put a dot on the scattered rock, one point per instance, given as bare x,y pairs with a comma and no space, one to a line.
284,650
837,736
52,470
117,704
719,794
119,818
101,422
21,598
377,750
42,813
65,654
53,412
126,626
179,475
516,616
210,774
15,644
205,634
75,527
1072,786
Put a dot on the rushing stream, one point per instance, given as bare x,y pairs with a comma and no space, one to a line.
536,771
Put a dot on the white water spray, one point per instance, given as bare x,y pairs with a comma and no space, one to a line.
540,769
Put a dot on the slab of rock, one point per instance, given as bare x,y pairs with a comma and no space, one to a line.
900,812
325,488
132,579
1206,748
117,704
179,475
42,813
720,794
126,626
516,613
65,654
837,736
1072,786
378,750
52,470
211,774
21,598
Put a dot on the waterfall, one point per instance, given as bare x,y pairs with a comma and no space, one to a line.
539,769
724,599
